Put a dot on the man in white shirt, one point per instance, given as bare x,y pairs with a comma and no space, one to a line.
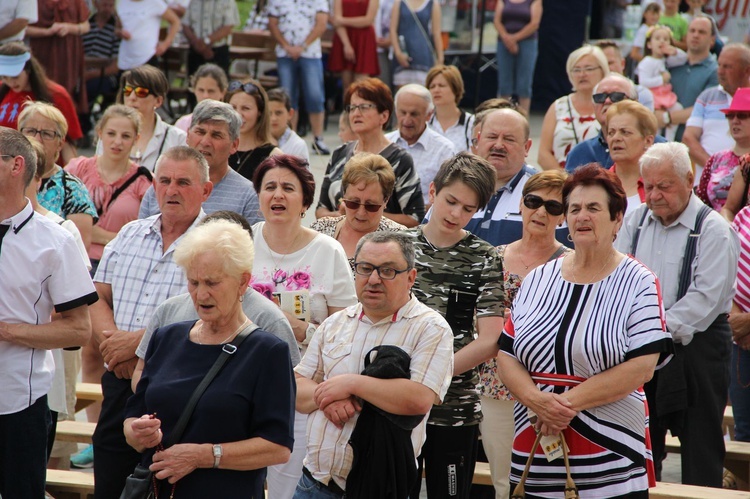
14,17
428,149
41,272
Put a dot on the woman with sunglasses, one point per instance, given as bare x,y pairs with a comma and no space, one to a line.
144,89
367,185
630,131
256,142
721,170
369,103
585,333
24,79
570,119
541,212
295,265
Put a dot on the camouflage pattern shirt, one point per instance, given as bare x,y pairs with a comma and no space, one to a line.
460,282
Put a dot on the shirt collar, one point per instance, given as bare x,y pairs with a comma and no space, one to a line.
20,219
407,311
285,136
687,217
510,186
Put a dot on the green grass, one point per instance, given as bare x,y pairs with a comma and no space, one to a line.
244,6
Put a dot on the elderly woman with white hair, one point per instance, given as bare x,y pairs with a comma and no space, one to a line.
571,119
244,420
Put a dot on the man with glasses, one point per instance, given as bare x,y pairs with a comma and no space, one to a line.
707,129
214,132
329,383
614,88
428,149
42,273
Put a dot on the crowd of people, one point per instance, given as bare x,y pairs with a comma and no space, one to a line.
451,298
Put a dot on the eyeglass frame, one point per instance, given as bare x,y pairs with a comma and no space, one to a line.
610,95
377,268
369,207
529,198
586,70
40,132
350,108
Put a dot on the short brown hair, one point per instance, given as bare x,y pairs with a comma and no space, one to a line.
373,90
646,120
473,171
144,76
452,75
593,174
368,168
549,179
298,166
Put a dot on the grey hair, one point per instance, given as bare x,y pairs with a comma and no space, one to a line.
383,237
633,94
213,110
419,91
674,153
185,153
227,241
14,143
744,52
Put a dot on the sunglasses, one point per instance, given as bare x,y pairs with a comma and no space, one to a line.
533,202
248,87
140,92
613,97
354,205
740,116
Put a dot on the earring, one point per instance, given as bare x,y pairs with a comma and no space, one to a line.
302,215
614,237
570,238
242,297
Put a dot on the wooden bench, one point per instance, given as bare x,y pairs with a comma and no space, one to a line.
87,394
736,459
65,484
75,431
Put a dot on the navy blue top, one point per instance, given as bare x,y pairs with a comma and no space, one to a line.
252,396
418,46
594,150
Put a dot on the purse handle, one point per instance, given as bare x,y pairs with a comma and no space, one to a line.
227,350
571,491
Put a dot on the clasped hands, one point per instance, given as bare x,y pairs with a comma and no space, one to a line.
118,351
335,398
554,413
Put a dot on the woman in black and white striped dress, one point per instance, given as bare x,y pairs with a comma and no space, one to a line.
586,331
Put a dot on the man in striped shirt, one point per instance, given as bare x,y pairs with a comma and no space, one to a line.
329,385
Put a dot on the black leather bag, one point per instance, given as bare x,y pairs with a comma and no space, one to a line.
139,485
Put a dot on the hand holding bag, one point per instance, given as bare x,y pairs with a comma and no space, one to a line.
141,484
571,491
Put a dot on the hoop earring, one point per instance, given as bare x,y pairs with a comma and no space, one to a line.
242,298
303,214
570,238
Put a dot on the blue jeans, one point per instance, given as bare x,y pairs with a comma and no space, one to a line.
739,375
515,73
307,488
308,72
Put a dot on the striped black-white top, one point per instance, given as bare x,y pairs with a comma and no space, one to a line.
101,42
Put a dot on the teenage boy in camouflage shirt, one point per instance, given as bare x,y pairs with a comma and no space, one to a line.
459,276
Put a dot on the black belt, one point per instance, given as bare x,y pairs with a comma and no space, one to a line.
332,485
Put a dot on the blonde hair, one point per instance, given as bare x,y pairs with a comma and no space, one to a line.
579,53
369,168
120,111
47,111
228,242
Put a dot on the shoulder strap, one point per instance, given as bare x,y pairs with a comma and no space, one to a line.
637,233
572,119
142,170
227,351
557,253
421,28
467,132
161,147
686,274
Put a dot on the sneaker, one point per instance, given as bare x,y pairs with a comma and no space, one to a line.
320,147
83,459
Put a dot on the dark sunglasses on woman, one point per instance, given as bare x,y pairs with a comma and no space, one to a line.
248,87
533,202
613,97
740,116
354,205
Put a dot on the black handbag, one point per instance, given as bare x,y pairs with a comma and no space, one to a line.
141,484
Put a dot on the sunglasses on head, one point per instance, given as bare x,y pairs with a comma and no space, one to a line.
248,87
354,205
740,116
141,92
533,202
613,97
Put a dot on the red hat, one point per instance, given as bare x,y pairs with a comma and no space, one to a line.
740,101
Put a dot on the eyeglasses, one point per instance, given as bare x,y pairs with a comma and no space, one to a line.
354,205
740,116
613,97
385,273
140,92
44,134
3,156
359,107
533,202
248,87
587,70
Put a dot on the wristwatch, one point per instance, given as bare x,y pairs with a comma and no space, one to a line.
218,452
207,40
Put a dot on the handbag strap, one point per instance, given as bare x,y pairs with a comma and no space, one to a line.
227,350
572,120
141,171
421,28
571,491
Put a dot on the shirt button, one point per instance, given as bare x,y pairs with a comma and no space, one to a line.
137,320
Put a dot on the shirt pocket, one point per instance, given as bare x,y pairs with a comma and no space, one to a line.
334,354
460,309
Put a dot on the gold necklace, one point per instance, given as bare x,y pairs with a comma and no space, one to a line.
277,264
594,278
242,326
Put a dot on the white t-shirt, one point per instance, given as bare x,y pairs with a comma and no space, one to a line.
142,19
291,143
17,9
